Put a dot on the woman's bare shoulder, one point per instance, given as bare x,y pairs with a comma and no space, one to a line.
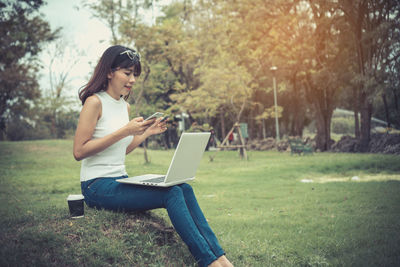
93,106
93,101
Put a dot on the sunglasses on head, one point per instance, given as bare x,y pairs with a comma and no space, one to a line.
131,54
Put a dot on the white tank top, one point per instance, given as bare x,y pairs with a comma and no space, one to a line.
111,161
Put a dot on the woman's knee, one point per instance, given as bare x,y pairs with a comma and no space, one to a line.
174,192
186,188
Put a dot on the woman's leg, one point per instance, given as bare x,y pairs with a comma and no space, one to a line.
108,194
184,224
200,220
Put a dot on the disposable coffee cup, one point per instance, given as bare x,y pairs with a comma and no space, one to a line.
75,204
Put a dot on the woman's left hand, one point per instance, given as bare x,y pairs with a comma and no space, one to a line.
157,127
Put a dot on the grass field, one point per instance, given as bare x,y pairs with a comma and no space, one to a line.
259,209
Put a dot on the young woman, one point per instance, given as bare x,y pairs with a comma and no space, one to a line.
105,135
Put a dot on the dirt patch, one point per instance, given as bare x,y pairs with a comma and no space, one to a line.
40,148
360,178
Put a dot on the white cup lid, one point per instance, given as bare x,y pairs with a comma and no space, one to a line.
75,197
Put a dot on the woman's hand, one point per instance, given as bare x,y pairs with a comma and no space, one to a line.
138,126
153,127
157,127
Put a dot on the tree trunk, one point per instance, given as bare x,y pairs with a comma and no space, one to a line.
146,158
386,110
264,131
251,122
396,105
356,110
299,124
298,116
222,118
323,124
356,123
322,101
365,133
396,102
53,126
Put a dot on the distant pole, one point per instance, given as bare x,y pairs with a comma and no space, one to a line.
273,69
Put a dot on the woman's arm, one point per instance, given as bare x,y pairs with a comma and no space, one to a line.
156,128
137,140
84,145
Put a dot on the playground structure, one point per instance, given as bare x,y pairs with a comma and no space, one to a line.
242,144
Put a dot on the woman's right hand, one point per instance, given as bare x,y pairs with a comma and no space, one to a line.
138,125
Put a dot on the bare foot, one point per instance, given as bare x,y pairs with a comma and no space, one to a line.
224,261
215,264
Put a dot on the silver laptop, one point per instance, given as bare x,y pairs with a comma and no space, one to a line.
183,166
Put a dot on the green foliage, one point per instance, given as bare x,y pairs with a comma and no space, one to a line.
22,35
55,114
212,60
19,129
44,122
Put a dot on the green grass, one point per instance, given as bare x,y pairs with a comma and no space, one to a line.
259,209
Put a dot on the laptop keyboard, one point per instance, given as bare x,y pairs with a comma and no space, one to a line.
155,180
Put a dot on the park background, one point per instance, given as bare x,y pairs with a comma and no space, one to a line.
212,60
336,69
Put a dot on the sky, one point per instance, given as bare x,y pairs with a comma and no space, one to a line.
80,32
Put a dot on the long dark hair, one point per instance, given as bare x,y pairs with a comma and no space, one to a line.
112,59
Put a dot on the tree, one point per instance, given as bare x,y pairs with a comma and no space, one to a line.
221,86
208,60
320,77
298,37
278,37
213,58
55,104
374,26
22,35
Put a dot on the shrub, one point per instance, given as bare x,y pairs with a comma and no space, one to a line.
342,125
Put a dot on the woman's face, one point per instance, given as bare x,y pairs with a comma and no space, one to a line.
120,82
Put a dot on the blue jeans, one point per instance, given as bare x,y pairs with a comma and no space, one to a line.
179,200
